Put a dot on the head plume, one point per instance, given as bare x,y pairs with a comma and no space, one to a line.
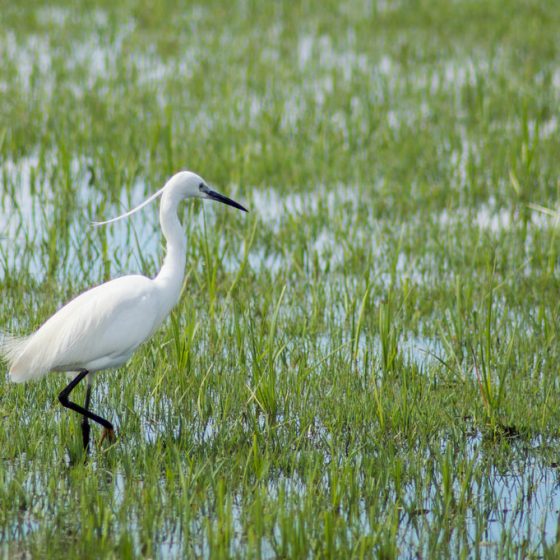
133,211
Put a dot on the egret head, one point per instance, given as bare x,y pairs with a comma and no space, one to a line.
184,184
191,185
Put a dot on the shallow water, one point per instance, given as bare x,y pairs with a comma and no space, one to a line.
521,500
319,235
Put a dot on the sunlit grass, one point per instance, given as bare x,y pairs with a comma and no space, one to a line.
364,365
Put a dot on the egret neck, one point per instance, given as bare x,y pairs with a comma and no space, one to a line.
172,273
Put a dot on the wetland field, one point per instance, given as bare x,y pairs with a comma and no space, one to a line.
366,365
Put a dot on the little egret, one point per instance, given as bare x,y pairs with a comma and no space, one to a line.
103,326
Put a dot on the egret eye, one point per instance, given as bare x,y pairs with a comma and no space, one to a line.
201,187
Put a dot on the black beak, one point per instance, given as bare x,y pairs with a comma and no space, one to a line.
221,198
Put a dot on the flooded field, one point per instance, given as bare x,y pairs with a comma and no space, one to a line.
364,365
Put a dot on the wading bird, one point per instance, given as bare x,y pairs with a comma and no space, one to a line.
103,326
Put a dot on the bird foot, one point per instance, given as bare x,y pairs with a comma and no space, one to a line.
108,433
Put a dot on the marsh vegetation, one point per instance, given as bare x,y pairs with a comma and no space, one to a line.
364,365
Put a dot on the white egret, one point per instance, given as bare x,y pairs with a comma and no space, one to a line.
103,326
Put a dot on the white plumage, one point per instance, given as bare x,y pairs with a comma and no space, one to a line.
99,329
103,326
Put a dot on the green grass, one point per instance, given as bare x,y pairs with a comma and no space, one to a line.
365,365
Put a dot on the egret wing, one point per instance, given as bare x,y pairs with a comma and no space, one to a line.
99,328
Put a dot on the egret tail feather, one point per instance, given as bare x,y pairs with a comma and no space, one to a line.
11,348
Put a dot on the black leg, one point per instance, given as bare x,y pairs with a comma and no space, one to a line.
64,401
85,423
